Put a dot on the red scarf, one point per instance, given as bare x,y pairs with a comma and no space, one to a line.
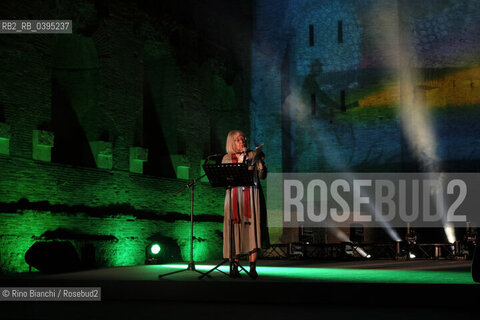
246,198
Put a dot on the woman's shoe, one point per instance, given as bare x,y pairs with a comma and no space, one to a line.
253,271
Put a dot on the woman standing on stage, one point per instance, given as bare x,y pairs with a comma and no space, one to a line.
247,204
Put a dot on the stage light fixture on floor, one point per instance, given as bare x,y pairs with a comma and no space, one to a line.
362,253
155,248
411,238
161,250
153,254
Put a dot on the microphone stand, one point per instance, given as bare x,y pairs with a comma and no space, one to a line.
191,264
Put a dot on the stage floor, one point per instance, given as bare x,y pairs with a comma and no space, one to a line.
285,288
362,271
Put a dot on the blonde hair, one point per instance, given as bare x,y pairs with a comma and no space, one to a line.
230,145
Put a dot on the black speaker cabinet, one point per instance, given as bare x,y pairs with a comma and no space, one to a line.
53,257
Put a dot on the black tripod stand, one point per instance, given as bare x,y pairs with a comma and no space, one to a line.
191,264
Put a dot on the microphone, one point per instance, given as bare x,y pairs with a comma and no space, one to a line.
215,155
245,155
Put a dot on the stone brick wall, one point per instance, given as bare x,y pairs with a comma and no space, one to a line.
436,41
132,74
440,39
20,230
38,197
268,50
324,17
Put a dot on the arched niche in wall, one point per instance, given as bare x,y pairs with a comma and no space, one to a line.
75,113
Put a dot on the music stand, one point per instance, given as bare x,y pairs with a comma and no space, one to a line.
229,175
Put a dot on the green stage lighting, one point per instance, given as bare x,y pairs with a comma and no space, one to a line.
154,253
155,248
162,250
